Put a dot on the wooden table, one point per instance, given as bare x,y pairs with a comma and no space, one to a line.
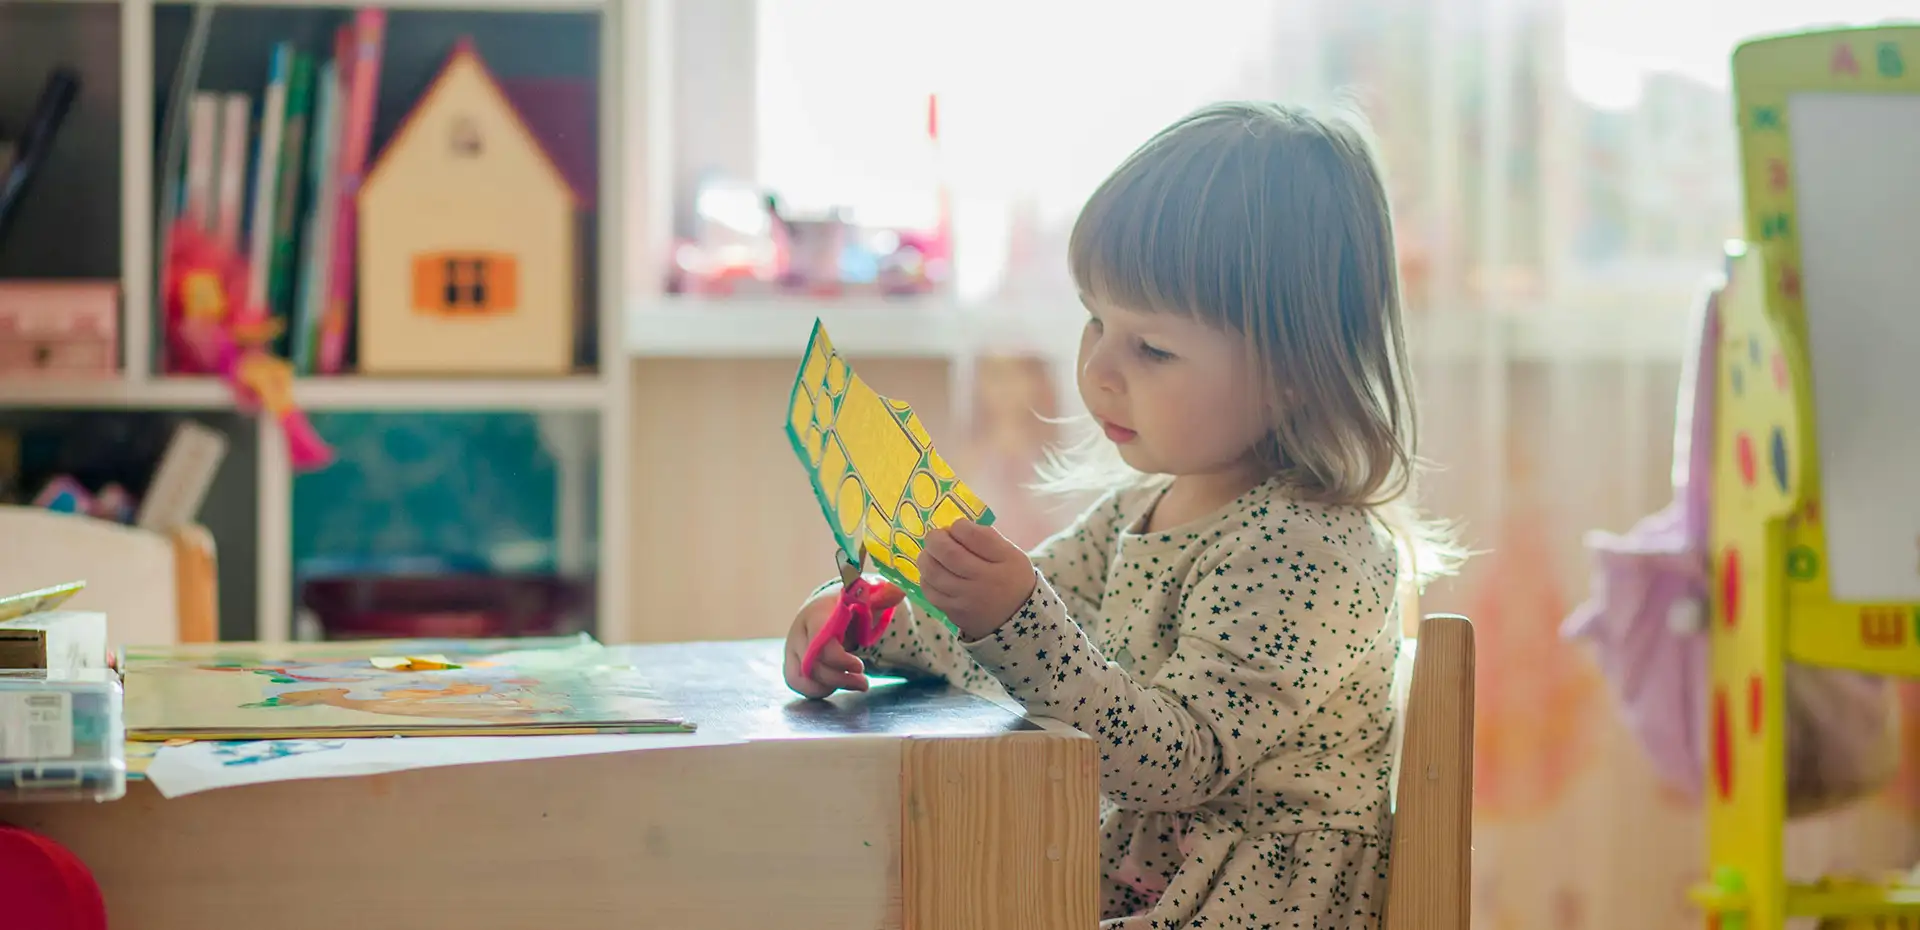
913,806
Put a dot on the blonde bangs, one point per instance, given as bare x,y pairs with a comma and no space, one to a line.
1165,231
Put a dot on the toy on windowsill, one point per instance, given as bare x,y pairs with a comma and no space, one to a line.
747,243
738,243
211,330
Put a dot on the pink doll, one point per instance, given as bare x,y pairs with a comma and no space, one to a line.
1645,623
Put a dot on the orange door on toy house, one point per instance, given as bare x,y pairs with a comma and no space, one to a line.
465,284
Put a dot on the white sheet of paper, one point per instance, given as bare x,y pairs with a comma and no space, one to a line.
1856,164
195,767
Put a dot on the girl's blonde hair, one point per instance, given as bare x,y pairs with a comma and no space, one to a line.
1272,223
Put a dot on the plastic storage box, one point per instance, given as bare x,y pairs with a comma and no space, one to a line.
62,735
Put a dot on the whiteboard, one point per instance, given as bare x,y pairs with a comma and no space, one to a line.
1856,165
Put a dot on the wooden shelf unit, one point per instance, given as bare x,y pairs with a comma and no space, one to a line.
625,90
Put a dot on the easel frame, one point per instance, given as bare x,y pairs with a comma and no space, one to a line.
1770,592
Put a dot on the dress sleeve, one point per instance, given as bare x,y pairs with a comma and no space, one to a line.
1073,562
1267,633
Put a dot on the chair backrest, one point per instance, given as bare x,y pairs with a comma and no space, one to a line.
154,588
1429,873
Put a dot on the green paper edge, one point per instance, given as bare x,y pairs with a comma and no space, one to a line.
845,541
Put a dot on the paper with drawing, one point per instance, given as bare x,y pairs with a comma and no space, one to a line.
248,691
195,767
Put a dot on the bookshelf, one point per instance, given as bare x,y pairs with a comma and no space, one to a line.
124,96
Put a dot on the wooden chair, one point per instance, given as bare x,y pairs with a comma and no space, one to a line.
1429,872
155,588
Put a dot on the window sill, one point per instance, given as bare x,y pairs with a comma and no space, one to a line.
940,329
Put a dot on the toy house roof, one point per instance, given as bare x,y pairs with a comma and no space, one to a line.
543,109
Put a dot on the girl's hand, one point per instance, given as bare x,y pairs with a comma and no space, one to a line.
836,669
975,576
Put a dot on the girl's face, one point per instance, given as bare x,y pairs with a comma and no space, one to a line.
1177,396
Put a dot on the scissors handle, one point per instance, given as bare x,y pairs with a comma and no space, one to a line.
865,608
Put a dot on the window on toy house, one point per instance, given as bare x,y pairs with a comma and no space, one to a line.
465,284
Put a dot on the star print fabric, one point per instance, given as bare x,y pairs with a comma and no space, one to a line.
1236,673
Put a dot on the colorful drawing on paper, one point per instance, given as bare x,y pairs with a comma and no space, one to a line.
230,691
879,481
139,756
255,752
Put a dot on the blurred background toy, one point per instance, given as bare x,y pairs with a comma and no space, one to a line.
213,330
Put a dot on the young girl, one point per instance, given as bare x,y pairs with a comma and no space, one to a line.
1222,621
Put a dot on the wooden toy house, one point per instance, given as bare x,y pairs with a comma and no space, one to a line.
1815,499
469,239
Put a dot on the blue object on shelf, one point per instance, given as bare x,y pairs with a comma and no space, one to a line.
429,492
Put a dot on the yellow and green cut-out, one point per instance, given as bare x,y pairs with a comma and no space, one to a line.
880,483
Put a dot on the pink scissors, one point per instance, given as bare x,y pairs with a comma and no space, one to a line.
865,608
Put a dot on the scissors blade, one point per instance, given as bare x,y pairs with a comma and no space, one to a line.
850,568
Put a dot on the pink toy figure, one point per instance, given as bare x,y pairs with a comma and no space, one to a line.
214,331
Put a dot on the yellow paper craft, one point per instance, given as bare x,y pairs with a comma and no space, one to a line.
879,481
19,605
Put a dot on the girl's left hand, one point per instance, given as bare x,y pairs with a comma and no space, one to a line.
975,576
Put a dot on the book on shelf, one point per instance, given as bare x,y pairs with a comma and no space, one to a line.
278,184
358,51
266,177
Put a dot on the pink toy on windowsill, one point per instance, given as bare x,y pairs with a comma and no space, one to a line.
212,330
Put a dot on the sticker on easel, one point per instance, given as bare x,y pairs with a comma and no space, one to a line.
1802,564
1883,627
1843,61
1888,62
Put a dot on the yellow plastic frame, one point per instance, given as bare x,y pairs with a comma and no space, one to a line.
1770,599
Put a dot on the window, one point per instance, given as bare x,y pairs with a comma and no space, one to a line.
465,284
1036,102
1523,139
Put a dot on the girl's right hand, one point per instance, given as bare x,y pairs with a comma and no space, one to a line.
836,669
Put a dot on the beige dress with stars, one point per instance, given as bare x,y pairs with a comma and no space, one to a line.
1235,672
